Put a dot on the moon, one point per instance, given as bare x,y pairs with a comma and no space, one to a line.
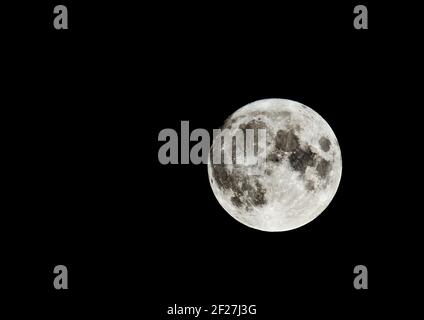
300,174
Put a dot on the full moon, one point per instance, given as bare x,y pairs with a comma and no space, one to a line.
300,174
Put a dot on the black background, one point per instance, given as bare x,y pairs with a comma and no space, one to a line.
87,190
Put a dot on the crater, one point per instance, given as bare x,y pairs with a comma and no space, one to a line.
324,144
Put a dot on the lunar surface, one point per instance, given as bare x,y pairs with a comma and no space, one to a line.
298,177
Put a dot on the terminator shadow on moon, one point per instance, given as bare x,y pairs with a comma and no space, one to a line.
300,175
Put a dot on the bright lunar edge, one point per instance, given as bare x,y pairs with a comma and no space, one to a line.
301,173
